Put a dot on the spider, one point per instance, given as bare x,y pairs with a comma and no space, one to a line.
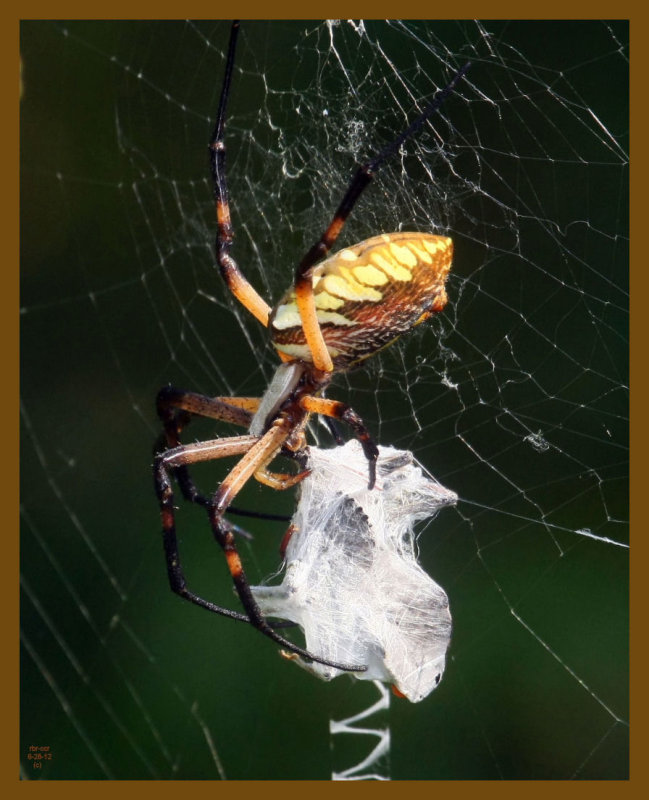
340,310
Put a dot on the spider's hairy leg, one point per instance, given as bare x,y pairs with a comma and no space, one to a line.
170,401
234,278
255,459
176,408
343,412
256,454
170,460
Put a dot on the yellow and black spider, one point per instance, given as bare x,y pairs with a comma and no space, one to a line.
339,311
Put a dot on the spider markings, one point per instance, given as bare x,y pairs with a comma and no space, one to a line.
367,295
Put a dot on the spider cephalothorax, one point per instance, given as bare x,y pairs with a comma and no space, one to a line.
340,310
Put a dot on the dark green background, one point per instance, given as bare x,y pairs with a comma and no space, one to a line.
119,297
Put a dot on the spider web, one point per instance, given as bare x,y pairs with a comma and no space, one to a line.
515,397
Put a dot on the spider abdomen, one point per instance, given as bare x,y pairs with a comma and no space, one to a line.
368,295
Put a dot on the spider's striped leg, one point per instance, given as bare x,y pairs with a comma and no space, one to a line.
234,278
304,272
254,459
237,410
364,175
176,408
172,460
343,412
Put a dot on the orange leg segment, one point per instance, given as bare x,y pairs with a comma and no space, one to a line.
343,412
258,451
280,480
312,332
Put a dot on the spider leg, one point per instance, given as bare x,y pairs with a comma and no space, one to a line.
334,430
280,480
341,411
237,410
234,278
256,453
304,272
175,408
171,459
